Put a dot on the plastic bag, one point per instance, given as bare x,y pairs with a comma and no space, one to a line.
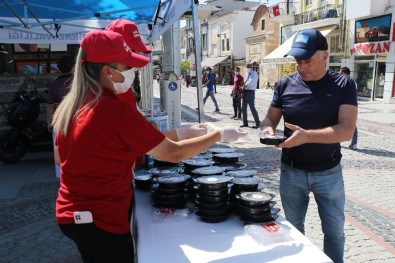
269,233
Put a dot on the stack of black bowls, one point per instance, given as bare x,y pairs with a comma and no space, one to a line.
256,207
194,163
212,198
142,179
243,184
227,158
208,170
170,191
160,163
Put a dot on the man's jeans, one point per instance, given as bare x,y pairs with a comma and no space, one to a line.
211,94
249,99
328,189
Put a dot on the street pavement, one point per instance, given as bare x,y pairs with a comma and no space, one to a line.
28,231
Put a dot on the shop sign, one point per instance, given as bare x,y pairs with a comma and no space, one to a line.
278,61
371,48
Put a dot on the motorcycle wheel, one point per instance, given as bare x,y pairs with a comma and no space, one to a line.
13,146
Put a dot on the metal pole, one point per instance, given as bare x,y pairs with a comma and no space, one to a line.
198,59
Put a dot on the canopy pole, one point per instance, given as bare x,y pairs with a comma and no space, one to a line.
198,59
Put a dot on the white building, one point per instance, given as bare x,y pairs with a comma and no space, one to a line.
222,36
371,51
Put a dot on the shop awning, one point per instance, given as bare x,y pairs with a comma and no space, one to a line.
211,62
277,56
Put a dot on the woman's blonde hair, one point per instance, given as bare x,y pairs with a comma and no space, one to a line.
86,81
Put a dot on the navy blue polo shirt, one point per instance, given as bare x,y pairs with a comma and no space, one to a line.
314,105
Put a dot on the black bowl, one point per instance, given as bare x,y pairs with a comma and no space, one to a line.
206,192
211,206
258,220
169,198
156,188
254,198
227,157
272,140
172,181
213,219
256,210
213,212
160,163
211,199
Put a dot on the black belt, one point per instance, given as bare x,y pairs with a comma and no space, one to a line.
285,159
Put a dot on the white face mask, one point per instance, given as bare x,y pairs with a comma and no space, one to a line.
236,72
248,70
127,82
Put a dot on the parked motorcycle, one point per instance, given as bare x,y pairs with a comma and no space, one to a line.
26,132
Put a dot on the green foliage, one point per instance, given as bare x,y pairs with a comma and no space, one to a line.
185,66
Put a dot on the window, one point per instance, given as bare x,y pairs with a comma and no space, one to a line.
335,44
204,41
263,25
309,2
223,45
227,44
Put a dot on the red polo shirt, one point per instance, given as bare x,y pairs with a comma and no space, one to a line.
97,156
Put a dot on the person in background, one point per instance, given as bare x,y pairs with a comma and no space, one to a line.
215,82
188,80
136,86
319,108
236,94
98,138
249,97
56,92
209,82
354,140
132,38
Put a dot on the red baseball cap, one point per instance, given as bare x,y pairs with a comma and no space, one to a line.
107,47
130,34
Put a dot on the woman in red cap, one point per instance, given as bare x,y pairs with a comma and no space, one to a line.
98,140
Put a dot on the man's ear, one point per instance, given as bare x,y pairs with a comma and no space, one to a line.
326,55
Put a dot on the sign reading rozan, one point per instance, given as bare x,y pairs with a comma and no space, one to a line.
371,48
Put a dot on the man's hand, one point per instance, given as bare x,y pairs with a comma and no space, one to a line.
267,130
299,136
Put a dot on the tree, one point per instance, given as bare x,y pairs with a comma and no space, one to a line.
185,66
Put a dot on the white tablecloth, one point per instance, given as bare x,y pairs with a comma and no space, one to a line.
178,238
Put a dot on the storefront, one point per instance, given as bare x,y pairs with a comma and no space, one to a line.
275,66
371,58
33,58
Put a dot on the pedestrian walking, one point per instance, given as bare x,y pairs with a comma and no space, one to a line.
249,97
215,81
354,140
209,83
237,93
319,108
188,80
99,138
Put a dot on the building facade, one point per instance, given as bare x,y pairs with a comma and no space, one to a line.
265,38
324,15
222,37
370,53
